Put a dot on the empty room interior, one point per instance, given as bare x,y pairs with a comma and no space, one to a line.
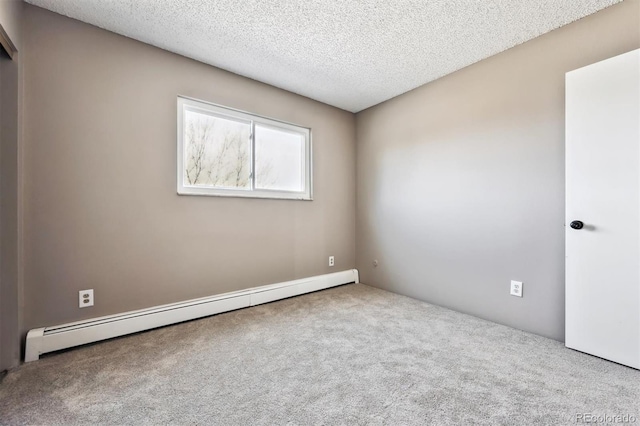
319,212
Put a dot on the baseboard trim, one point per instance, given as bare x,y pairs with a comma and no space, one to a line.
49,339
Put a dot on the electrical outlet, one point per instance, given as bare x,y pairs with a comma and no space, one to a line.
332,261
516,288
85,298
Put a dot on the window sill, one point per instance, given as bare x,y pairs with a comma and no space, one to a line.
230,193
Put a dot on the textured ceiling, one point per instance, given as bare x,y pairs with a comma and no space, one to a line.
350,54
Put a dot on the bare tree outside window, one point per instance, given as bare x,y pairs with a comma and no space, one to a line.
217,151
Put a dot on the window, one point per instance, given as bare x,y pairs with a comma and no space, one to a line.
226,152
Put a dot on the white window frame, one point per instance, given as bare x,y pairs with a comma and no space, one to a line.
190,104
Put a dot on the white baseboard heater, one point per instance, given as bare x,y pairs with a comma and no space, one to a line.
50,339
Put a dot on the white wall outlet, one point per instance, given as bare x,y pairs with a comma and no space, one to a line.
85,298
332,261
516,288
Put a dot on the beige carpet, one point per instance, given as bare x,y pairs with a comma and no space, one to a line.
349,355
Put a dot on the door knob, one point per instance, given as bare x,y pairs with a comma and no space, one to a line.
576,224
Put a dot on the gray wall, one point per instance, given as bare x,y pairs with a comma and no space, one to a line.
9,342
101,209
10,108
11,20
460,183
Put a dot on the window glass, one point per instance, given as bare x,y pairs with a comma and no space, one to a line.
279,159
217,151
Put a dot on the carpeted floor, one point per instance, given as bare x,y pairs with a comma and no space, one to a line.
349,355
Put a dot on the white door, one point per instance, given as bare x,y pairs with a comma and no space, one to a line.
603,192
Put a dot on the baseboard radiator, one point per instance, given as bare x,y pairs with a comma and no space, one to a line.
49,339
